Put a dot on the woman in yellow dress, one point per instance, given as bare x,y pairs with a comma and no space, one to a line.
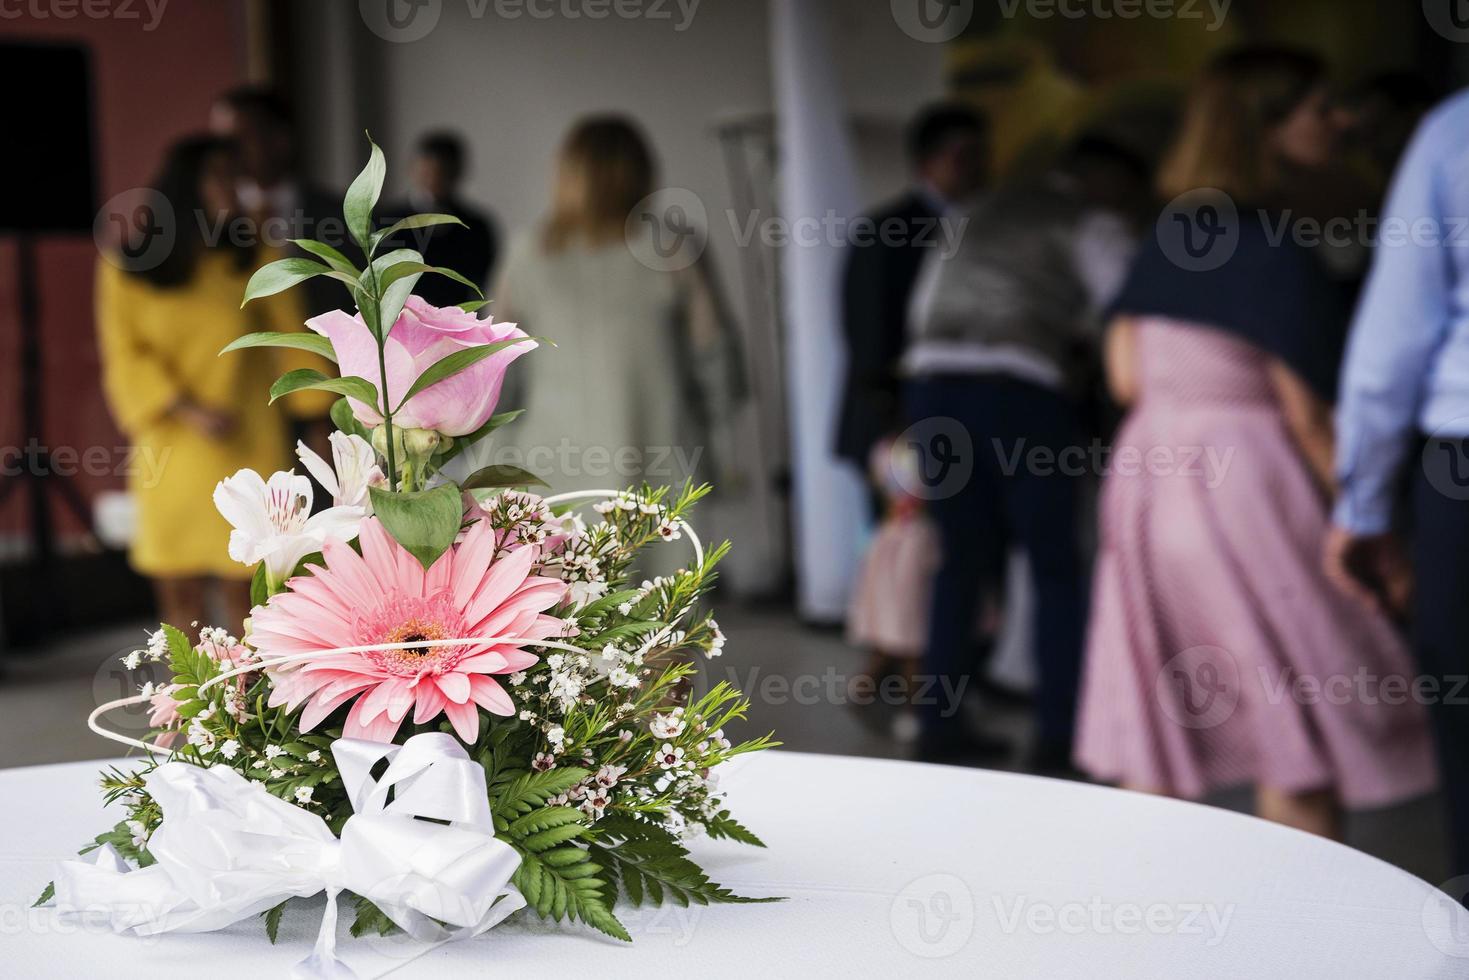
164,310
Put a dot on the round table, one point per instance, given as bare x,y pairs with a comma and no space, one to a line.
888,868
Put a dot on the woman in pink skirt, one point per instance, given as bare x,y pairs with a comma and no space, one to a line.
1219,654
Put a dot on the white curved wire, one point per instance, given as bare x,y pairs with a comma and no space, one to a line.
683,525
268,663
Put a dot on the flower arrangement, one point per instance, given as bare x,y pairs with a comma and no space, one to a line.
476,627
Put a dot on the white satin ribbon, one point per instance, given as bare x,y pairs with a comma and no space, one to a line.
227,850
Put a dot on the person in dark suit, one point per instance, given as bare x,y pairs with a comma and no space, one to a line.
471,250
281,204
948,149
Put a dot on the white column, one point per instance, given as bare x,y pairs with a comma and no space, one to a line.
817,179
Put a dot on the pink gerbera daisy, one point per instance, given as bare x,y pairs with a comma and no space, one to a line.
384,595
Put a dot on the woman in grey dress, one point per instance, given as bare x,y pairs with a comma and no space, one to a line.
646,362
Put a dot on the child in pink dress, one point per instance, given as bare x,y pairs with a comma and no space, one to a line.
888,615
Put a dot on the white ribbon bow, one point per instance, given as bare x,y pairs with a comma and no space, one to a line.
227,849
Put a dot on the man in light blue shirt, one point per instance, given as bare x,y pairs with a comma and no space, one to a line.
1406,380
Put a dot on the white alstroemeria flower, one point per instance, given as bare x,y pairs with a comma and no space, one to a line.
353,469
273,522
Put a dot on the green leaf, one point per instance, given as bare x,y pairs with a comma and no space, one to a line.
329,255
462,443
273,920
723,825
315,343
474,305
567,886
501,476
48,893
367,308
343,419
533,789
447,367
370,918
415,221
393,291
282,274
401,269
362,197
425,522
544,819
259,586
305,378
552,836
653,864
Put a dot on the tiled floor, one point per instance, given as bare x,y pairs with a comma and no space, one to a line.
796,677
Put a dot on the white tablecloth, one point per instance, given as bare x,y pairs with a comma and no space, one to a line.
890,869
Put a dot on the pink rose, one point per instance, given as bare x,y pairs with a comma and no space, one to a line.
422,335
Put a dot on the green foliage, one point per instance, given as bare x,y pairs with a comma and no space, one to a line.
315,343
362,196
307,378
370,919
190,667
343,419
47,894
503,475
414,221
724,827
273,920
329,255
401,269
425,522
653,867
385,293
531,790
282,274
259,586
452,364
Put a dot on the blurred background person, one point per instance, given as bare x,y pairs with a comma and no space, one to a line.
1001,332
887,616
1404,388
272,192
948,151
438,168
1209,587
656,363
161,329
1380,115
282,205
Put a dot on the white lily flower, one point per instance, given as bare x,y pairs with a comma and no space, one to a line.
353,469
273,522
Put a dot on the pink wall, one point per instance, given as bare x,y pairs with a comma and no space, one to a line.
150,86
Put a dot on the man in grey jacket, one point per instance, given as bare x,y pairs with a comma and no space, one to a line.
1001,333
